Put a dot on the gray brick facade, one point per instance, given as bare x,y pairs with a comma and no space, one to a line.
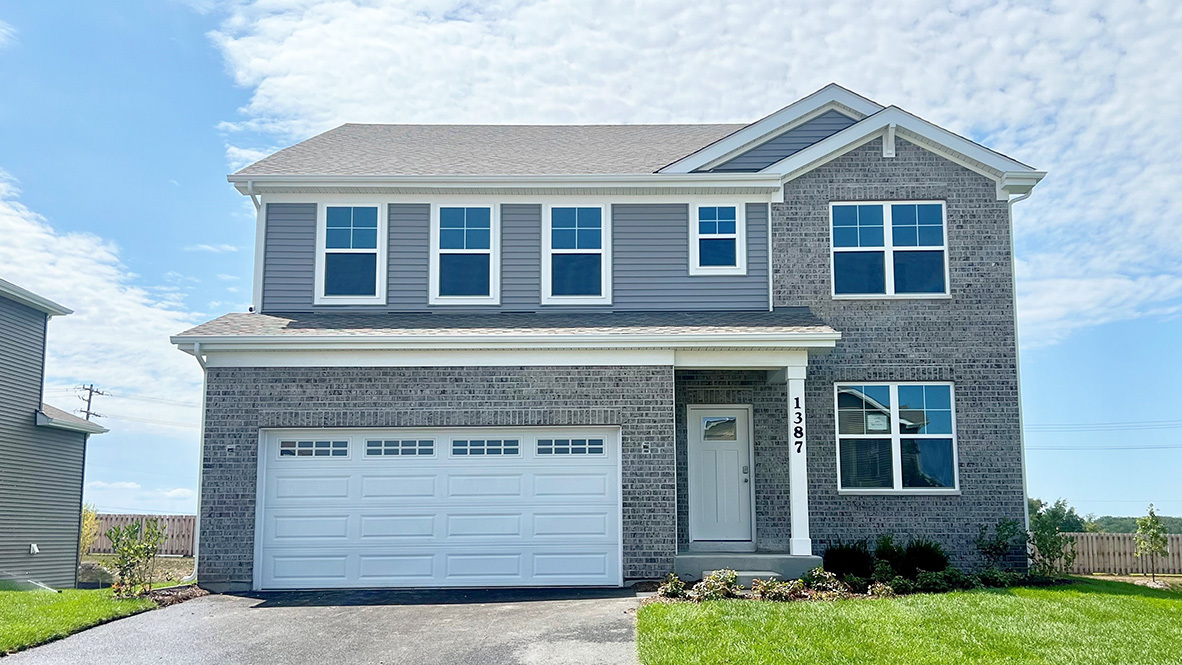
968,338
241,401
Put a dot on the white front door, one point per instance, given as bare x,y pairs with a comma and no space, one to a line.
720,474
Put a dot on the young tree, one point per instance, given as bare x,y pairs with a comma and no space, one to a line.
89,531
1151,540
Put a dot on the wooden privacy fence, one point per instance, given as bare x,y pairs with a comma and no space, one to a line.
1113,553
178,534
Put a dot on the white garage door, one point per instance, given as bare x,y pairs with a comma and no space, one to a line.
438,507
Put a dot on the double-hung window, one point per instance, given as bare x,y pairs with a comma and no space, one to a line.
576,255
465,255
718,240
896,437
351,255
889,249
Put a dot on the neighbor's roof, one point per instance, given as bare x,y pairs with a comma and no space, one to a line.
51,416
30,299
394,150
784,320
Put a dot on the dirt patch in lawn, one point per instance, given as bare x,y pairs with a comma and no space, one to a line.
1164,582
169,569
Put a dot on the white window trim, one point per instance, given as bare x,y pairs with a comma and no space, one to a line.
605,254
888,250
896,438
494,261
740,236
379,297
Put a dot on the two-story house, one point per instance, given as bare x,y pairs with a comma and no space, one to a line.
42,452
578,355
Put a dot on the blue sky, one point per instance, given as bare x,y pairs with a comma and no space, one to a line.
119,121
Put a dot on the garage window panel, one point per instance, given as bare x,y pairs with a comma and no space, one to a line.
307,448
399,447
570,446
488,447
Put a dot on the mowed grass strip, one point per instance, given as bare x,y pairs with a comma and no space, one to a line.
29,618
1088,622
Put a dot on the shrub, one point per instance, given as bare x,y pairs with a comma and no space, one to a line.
902,585
924,555
886,551
849,559
880,590
1051,551
958,579
883,572
995,548
778,590
135,547
819,579
856,584
671,587
717,585
997,579
929,582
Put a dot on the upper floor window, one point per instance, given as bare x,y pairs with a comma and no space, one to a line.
718,240
576,255
897,248
351,256
896,437
465,255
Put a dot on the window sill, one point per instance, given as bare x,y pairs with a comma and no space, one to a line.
708,271
903,296
575,300
350,300
893,492
463,300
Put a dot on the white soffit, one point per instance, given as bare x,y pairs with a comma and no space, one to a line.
832,96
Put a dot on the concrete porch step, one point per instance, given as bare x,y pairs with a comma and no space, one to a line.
748,576
690,565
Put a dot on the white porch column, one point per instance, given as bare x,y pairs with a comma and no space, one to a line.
798,481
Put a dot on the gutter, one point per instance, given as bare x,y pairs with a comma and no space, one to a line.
249,184
45,420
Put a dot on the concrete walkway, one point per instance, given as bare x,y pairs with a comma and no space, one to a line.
556,627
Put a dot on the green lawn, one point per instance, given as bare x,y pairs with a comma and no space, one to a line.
28,618
1085,623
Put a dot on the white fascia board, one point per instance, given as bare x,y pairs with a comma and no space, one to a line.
211,344
44,420
39,303
624,181
832,95
974,156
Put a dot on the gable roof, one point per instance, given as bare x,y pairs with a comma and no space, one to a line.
30,299
391,150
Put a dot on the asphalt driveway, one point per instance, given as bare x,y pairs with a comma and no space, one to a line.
373,627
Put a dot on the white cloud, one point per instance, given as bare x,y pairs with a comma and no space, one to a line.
1086,89
7,34
227,278
213,249
118,485
117,337
239,157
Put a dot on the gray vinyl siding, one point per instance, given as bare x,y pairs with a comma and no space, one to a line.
41,472
788,143
650,262
289,259
650,245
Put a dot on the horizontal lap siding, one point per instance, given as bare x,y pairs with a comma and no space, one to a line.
41,474
788,143
651,258
650,264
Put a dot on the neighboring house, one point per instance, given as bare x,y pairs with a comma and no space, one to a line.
577,355
43,451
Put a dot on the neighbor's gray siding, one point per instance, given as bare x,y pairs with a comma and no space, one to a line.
968,339
650,244
788,143
650,247
238,402
41,471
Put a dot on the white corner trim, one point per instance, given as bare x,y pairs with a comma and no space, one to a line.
740,236
383,243
831,96
260,255
494,255
604,251
954,147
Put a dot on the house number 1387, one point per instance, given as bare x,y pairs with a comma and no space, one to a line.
797,425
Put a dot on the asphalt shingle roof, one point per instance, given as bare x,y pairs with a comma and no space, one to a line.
376,150
782,320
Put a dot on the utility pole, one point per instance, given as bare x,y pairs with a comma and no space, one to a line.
91,391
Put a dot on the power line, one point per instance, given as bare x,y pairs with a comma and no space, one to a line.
154,400
1168,446
150,421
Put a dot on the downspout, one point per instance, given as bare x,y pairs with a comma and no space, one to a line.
200,467
1017,355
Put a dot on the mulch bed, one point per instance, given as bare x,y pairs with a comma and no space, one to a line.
176,594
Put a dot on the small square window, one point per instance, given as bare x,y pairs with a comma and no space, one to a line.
717,241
